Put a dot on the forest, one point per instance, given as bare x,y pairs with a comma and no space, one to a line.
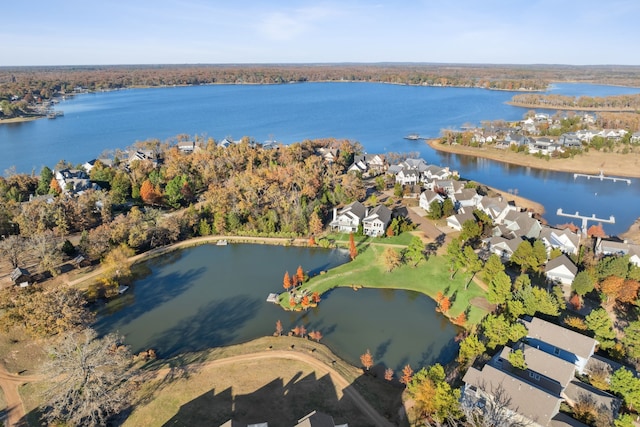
42,83
617,103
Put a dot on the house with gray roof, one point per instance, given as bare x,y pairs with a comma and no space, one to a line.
466,198
427,197
552,356
502,247
456,221
561,270
347,219
21,277
565,240
522,224
561,342
376,222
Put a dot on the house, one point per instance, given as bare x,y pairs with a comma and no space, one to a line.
456,221
448,186
502,247
565,240
533,393
408,177
561,270
496,208
611,247
20,277
348,219
560,342
570,140
368,164
376,222
87,166
187,146
521,224
436,172
635,138
533,405
427,197
466,198
74,181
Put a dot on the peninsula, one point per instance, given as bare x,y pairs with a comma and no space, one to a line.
592,162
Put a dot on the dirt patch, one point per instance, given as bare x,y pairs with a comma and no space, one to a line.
633,233
481,302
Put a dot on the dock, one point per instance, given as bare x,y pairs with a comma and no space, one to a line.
601,176
273,298
222,242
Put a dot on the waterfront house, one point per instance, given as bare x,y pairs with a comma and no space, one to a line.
561,270
348,219
74,181
521,224
570,140
565,240
376,222
466,198
436,172
87,166
368,164
187,146
496,208
408,177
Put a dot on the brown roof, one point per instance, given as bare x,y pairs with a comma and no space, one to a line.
578,344
524,398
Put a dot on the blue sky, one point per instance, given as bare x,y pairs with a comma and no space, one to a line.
79,32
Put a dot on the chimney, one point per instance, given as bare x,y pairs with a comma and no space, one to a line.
335,213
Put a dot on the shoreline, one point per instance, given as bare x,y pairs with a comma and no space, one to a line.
570,108
20,119
624,165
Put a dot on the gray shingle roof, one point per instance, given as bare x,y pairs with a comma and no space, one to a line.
578,344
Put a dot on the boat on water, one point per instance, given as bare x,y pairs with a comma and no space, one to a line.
122,289
413,137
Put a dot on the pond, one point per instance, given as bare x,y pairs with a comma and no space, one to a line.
210,296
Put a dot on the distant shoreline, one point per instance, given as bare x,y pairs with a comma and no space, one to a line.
614,164
570,108
20,119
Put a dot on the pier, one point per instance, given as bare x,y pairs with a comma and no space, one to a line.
585,219
601,176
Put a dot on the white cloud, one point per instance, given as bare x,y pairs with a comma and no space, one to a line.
289,25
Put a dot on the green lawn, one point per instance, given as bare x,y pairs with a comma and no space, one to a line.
429,277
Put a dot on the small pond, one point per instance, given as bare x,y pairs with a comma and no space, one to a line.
210,296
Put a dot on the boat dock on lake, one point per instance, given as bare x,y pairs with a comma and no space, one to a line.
601,176
273,298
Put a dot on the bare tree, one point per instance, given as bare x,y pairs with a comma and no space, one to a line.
45,247
496,410
12,248
88,377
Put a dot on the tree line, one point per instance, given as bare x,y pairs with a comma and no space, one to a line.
605,103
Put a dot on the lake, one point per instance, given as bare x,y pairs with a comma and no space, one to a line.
210,296
376,115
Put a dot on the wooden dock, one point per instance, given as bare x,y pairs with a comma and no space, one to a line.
601,176
273,298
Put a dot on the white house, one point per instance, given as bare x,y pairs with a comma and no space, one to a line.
376,222
561,270
408,177
427,197
348,219
502,247
456,221
565,240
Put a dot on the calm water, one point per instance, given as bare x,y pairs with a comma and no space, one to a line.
215,295
376,115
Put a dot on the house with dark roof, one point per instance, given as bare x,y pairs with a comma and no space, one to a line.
21,277
552,355
376,222
561,270
348,219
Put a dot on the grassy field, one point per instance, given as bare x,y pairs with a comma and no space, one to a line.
273,390
429,277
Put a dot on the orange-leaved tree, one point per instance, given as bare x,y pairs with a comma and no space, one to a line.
388,374
278,328
407,374
461,319
300,274
315,297
315,335
353,251
148,193
366,359
286,282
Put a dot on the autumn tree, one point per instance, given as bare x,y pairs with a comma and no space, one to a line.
407,374
460,319
391,259
312,240
88,379
315,335
388,374
148,193
116,264
434,399
286,282
629,292
54,186
279,328
611,286
444,304
315,224
12,249
353,251
367,360
315,297
300,274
